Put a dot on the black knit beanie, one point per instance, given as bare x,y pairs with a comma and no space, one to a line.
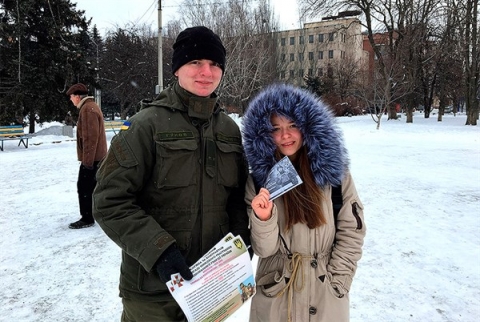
197,43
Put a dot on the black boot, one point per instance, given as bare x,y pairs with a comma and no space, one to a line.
80,224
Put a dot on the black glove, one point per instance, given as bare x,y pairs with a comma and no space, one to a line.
171,262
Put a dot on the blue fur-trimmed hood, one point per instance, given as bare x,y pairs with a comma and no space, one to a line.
322,137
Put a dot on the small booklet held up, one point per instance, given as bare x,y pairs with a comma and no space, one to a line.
282,178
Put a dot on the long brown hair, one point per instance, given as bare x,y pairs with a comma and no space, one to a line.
303,204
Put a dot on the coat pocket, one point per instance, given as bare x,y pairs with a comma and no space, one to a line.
176,163
271,284
339,285
134,278
271,274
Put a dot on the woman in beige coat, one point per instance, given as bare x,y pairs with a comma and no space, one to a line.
307,259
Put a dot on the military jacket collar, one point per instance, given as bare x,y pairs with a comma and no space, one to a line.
197,107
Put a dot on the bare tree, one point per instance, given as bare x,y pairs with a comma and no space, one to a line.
421,41
472,92
377,14
448,60
346,73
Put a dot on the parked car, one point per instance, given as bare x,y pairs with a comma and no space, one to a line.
419,108
447,109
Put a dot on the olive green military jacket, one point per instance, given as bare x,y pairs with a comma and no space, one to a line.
176,175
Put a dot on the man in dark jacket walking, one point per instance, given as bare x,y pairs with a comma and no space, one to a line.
91,149
173,182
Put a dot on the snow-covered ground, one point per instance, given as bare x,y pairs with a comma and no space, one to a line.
420,184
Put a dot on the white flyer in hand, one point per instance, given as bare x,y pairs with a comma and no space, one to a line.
222,281
282,178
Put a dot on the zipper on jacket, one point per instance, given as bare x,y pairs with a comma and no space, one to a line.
356,215
201,128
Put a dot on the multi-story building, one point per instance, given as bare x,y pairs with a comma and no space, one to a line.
317,48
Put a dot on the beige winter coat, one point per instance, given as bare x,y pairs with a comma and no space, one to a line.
324,273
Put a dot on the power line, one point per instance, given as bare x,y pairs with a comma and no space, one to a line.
151,8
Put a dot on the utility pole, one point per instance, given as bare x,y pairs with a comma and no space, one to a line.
98,91
159,86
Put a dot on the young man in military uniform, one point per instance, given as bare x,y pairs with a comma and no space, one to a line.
173,182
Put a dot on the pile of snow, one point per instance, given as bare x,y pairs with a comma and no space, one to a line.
53,130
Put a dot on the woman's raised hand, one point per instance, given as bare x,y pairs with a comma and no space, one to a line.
261,205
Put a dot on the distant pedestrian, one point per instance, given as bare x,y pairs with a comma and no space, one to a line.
91,149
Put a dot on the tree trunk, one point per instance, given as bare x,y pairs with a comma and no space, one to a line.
392,113
472,117
440,116
472,71
31,123
409,113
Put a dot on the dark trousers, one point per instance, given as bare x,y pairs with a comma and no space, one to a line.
85,185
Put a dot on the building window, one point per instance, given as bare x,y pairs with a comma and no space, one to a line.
342,54
344,37
330,36
320,37
310,39
300,73
283,57
310,72
292,40
329,71
330,54
300,56
320,72
283,41
292,73
301,40
282,74
320,55
310,55
292,57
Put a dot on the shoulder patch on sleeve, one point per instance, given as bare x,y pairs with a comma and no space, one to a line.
123,152
125,126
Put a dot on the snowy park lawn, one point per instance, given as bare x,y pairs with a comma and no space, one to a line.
419,183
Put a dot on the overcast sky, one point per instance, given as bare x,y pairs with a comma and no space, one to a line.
107,14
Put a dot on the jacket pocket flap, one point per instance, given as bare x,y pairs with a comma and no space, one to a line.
229,148
190,145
